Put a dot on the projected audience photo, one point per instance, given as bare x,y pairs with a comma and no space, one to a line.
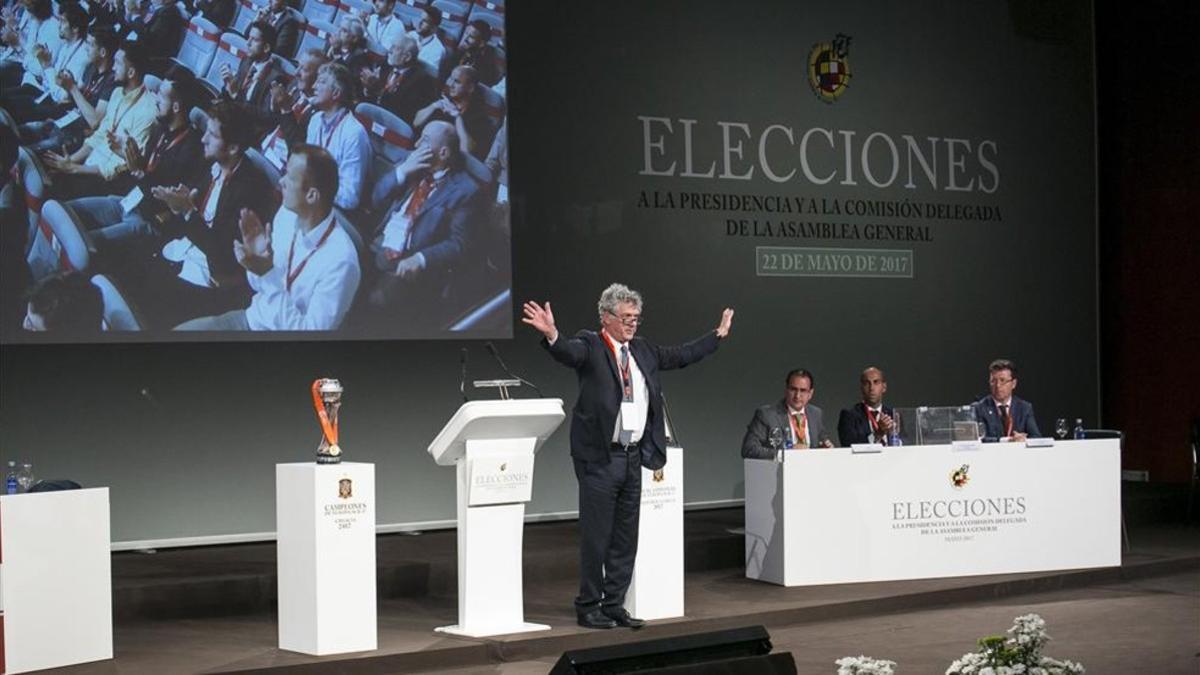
183,172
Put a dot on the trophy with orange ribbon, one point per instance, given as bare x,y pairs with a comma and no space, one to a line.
327,398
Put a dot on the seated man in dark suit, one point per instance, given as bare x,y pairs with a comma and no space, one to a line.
160,31
403,86
1004,417
197,273
251,84
426,234
477,53
286,22
793,421
869,420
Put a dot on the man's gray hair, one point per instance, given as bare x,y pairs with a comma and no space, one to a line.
615,295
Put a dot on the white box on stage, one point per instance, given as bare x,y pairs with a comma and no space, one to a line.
492,445
918,512
55,579
325,521
656,591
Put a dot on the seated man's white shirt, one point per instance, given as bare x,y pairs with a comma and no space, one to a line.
40,33
431,50
73,58
382,33
323,289
127,114
351,149
182,250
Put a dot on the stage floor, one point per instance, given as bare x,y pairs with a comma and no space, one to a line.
211,609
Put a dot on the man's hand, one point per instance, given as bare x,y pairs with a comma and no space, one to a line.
726,322
280,100
410,267
10,37
885,423
419,161
66,80
1019,437
180,199
227,77
133,156
369,77
42,54
116,142
449,107
541,318
254,251
825,444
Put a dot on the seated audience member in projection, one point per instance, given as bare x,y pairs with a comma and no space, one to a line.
462,105
286,25
477,53
497,163
1002,415
197,273
383,27
65,303
220,12
302,267
41,93
88,98
431,50
173,156
796,423
292,107
250,85
869,420
22,34
349,45
160,30
133,18
99,167
335,128
402,86
427,232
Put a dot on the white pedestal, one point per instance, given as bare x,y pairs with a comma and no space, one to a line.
55,579
326,558
491,599
656,591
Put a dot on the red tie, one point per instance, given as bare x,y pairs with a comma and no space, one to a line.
419,196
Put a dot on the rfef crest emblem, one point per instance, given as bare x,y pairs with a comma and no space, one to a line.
345,488
959,478
658,475
829,68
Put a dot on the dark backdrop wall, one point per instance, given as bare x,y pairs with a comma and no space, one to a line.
990,252
1150,253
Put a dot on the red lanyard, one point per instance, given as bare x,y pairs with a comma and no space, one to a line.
872,420
159,149
321,134
209,191
626,371
292,276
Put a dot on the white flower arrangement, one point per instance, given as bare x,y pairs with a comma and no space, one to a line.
864,665
1018,654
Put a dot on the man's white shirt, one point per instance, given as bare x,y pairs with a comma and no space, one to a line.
321,292
351,149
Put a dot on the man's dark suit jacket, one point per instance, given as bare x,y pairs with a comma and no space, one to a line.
595,414
415,91
163,34
441,231
287,31
220,12
249,188
257,101
853,425
181,163
993,428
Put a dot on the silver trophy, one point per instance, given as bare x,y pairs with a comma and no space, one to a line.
327,399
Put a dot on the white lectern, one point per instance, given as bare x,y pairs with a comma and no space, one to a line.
55,579
492,443
656,591
325,520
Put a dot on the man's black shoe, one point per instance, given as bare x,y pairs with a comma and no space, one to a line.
596,619
621,616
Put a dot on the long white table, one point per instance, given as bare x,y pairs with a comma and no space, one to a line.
833,516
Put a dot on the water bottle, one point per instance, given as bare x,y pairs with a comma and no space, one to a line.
1078,433
10,478
25,477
